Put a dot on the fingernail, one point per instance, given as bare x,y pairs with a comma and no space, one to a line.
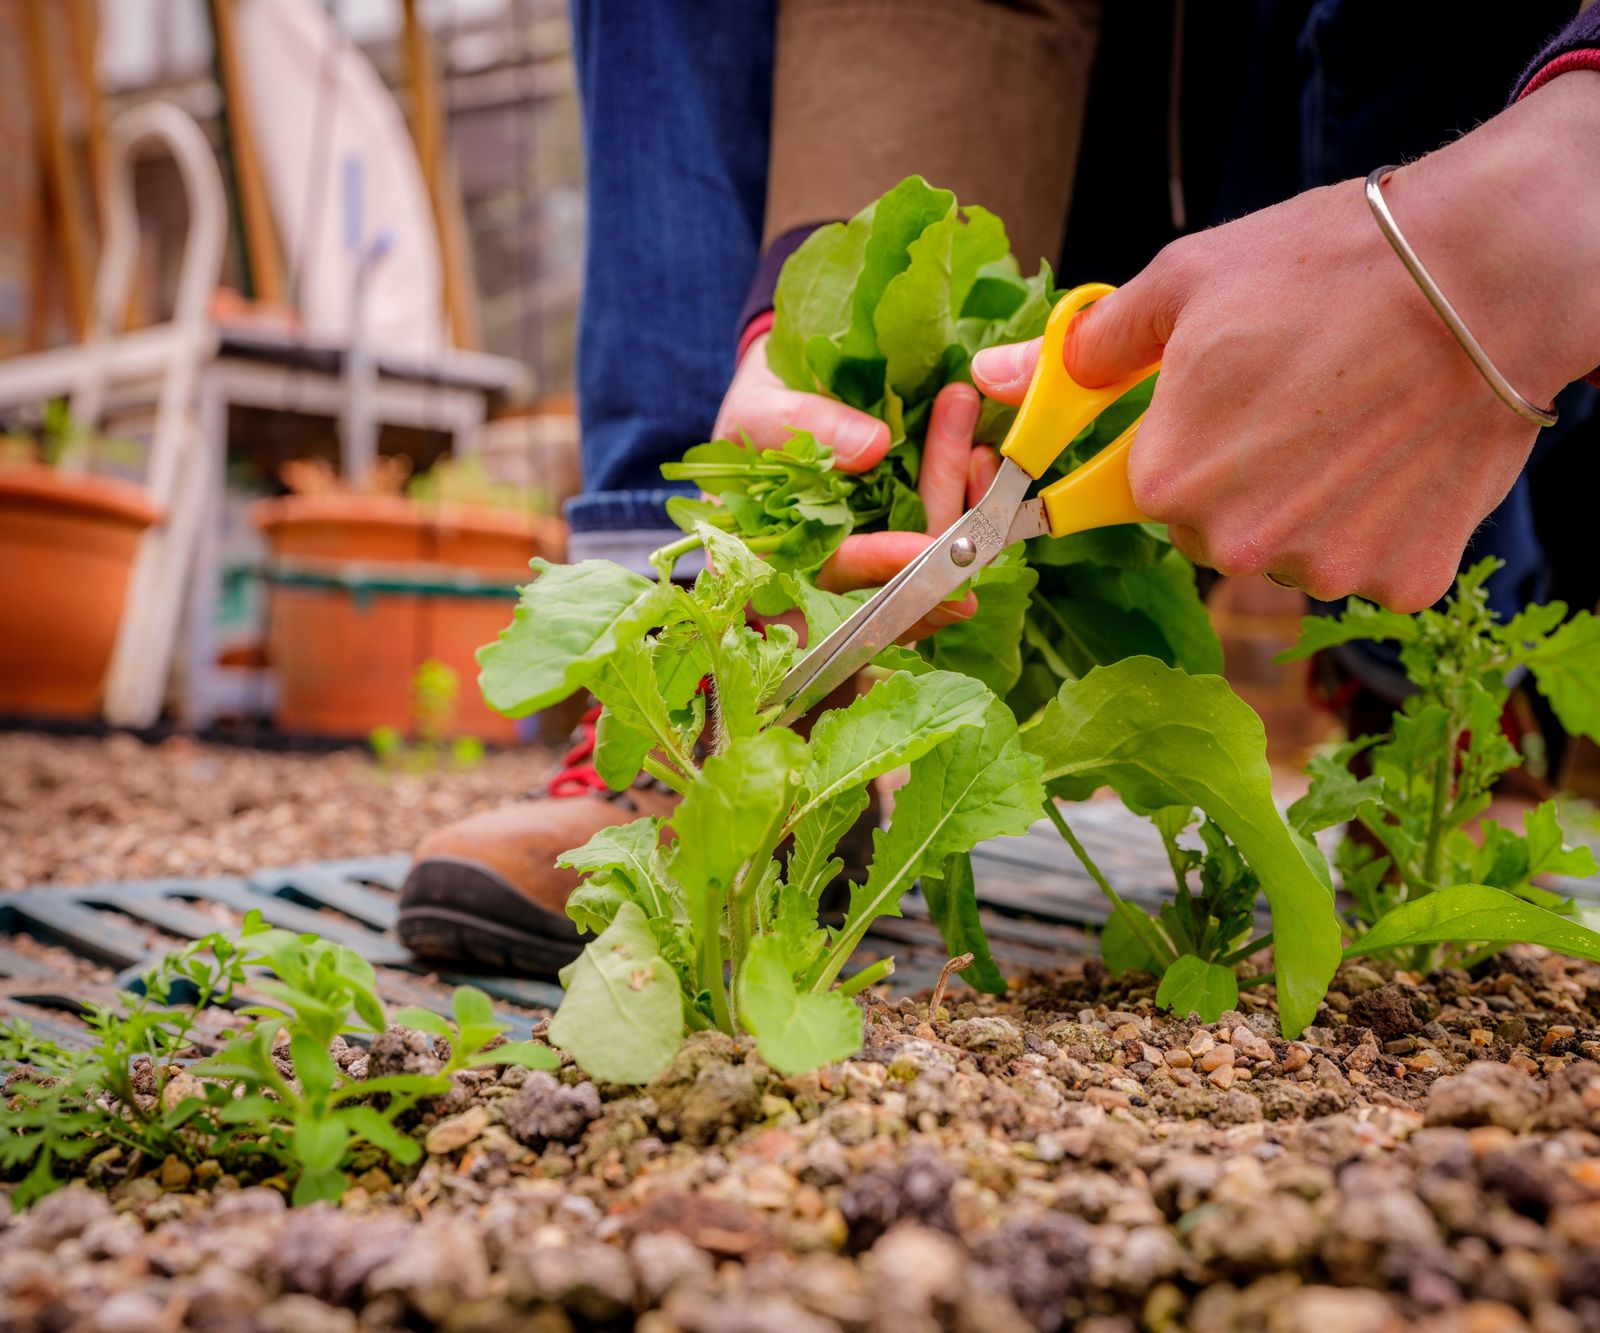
962,412
1000,365
853,439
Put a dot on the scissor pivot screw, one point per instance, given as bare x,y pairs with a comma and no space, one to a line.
963,551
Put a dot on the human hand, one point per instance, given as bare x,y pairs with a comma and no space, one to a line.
954,472
759,405
1314,418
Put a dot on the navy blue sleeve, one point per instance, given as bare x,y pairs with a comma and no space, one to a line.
1581,35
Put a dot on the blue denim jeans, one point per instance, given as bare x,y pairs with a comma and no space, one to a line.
676,99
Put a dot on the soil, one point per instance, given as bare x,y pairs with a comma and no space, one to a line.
1427,1156
89,811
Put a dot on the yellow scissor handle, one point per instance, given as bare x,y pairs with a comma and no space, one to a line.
1055,409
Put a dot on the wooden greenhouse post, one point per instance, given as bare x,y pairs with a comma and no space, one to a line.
62,187
427,129
255,216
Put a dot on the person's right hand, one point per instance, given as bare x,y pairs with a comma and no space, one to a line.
1315,420
954,472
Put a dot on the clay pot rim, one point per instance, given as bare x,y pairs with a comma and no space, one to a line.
396,511
34,485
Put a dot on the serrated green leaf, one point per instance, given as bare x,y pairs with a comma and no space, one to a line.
1335,796
568,621
980,783
1567,668
1360,620
620,865
898,720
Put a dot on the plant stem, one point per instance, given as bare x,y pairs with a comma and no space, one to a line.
665,773
1133,917
1246,950
1480,955
663,558
711,978
1442,770
868,976
1265,979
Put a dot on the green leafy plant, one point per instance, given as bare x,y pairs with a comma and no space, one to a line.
467,481
711,918
63,441
272,1093
435,690
1171,744
1418,879
881,312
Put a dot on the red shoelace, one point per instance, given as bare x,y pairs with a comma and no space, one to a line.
577,775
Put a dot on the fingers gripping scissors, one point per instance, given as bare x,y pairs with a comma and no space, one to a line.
1095,495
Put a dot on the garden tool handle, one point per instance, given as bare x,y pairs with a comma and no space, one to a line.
1054,410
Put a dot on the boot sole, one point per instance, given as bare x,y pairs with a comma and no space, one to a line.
455,910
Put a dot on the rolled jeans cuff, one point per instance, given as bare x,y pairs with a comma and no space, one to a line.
625,527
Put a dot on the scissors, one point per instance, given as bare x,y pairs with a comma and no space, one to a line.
1095,495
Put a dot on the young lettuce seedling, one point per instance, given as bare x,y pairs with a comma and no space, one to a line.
881,312
701,921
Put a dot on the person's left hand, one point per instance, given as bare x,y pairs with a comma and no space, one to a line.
955,474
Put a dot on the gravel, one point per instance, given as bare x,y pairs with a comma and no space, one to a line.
1059,1158
80,811
1426,1156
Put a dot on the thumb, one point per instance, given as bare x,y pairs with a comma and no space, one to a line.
1003,373
1123,333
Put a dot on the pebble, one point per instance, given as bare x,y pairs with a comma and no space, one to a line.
458,1131
1028,1166
1484,1093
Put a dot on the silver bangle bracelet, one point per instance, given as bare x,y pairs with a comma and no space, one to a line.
1540,416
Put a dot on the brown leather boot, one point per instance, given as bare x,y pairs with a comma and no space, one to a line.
487,890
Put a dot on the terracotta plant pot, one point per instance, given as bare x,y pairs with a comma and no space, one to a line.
345,640
67,543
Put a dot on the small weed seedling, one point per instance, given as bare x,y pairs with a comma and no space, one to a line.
271,1099
435,689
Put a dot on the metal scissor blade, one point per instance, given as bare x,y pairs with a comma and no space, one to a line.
958,554
1031,521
